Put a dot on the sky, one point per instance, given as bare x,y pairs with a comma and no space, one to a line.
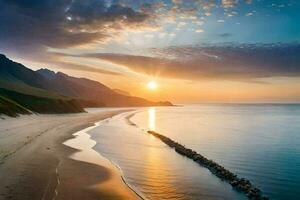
196,50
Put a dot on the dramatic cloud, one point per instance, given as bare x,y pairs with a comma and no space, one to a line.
68,23
231,62
28,29
62,23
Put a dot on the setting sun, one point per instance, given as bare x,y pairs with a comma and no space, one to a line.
152,85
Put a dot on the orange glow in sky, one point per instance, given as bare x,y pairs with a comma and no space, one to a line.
152,85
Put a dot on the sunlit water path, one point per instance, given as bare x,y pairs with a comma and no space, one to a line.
152,168
258,142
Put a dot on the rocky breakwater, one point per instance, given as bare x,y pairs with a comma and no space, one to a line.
240,184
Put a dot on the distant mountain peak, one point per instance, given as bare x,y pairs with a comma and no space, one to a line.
49,74
45,70
62,74
3,56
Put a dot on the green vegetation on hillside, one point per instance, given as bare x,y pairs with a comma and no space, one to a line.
37,104
11,108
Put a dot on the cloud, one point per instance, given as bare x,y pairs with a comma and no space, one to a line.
229,3
29,28
63,23
199,30
225,35
233,3
61,61
177,1
82,67
230,62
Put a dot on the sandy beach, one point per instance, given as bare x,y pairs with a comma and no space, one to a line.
35,164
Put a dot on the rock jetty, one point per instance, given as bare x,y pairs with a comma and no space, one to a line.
240,184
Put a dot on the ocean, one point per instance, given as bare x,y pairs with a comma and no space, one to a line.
260,142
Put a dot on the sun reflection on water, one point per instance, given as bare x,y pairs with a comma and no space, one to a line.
151,119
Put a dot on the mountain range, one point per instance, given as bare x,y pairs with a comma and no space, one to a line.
23,91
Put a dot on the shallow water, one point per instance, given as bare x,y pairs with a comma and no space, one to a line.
258,142
152,168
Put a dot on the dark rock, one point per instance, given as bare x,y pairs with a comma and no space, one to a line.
241,184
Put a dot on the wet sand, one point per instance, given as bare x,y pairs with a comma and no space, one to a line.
35,164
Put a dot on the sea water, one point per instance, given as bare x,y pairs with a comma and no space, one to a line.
260,142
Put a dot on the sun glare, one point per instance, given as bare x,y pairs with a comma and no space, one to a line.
151,119
152,85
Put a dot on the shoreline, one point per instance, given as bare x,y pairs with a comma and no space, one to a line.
124,180
81,137
37,160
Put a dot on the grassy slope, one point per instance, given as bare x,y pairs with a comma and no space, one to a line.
18,97
21,87
11,108
38,104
